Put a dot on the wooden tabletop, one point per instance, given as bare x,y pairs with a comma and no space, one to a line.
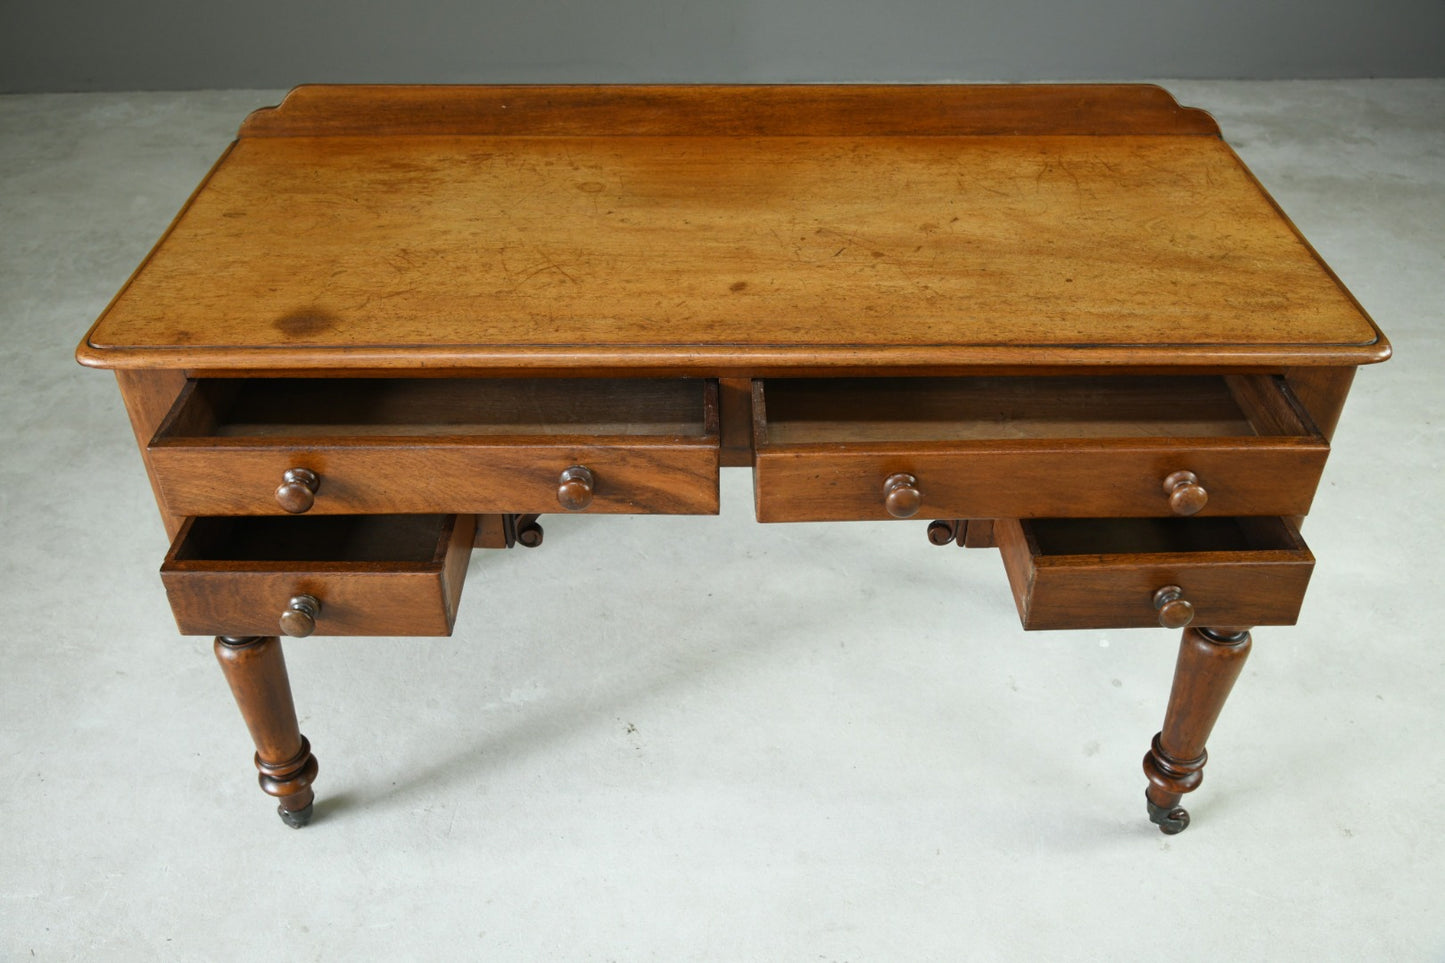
741,229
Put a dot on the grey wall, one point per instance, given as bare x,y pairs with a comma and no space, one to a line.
185,44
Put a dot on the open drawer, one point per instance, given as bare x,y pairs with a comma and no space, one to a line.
1114,573
1032,447
257,446
324,574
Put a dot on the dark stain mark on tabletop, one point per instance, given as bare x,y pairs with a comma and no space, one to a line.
305,322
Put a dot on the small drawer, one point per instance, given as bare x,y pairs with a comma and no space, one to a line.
259,446
352,575
1095,573
1032,447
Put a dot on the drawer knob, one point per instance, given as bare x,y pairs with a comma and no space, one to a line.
574,488
299,619
1186,495
297,491
1175,611
901,495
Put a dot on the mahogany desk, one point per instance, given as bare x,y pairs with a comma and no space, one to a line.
397,323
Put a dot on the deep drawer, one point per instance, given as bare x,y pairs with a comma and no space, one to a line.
1091,573
353,575
1032,447
257,446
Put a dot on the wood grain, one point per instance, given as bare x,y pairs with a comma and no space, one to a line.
1109,477
397,288
858,410
1034,448
1204,673
148,396
735,421
738,252
255,669
231,577
442,475
979,533
464,446
1104,573
1322,392
741,110
397,407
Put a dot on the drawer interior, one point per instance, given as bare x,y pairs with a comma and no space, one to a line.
1138,536
441,407
832,411
314,540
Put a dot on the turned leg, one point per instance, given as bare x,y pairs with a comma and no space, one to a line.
1209,662
256,671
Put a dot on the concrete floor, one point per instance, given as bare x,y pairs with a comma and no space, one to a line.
703,738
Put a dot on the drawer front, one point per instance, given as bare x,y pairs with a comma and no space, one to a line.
376,575
455,446
1106,574
1033,480
464,478
1005,449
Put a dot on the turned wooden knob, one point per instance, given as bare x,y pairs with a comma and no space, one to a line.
574,488
901,495
1186,495
297,491
299,618
1175,611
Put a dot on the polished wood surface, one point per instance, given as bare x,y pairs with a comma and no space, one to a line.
298,618
1209,663
255,669
735,421
1322,391
1186,495
1035,242
393,407
1025,447
575,488
437,445
901,497
729,110
297,492
1106,573
370,575
148,397
1175,611
395,323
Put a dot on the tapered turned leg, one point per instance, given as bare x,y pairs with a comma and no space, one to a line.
1209,662
256,671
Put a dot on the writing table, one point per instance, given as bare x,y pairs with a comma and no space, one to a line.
397,323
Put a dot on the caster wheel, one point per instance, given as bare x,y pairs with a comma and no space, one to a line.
1171,822
299,817
1174,822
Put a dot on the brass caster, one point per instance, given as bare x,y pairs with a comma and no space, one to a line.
297,818
1171,822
